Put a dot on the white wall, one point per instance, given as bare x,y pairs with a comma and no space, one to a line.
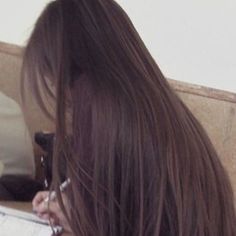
191,40
17,18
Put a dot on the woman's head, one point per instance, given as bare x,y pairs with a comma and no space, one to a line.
139,162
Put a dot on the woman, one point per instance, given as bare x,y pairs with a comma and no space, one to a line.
138,160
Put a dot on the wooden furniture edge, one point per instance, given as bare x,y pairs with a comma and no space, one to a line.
11,49
202,91
178,86
21,206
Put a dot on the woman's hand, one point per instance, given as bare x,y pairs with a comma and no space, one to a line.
51,211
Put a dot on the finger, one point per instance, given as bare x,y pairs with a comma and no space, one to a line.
56,213
51,207
44,216
41,208
52,211
65,233
39,198
50,218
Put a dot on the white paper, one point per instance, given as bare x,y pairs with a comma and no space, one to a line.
22,215
14,222
12,226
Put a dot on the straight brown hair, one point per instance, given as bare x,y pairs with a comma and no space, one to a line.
139,161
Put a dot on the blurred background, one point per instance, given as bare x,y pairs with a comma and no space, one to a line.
191,40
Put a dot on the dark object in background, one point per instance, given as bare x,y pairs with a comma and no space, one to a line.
45,141
18,188
23,188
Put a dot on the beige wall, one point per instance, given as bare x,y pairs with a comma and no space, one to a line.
10,85
218,117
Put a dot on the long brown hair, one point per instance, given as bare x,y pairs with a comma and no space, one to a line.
139,161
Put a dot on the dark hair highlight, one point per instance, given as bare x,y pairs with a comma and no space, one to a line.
139,161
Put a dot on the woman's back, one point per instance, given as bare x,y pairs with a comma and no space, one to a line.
138,160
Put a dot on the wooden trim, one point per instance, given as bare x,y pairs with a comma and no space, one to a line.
203,91
11,49
178,86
